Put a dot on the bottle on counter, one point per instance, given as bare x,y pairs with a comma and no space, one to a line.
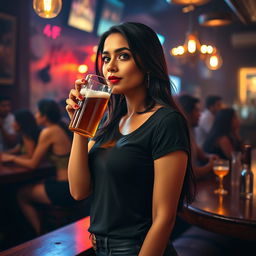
246,177
236,168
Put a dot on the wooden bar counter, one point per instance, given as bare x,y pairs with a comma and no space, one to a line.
228,214
11,173
70,240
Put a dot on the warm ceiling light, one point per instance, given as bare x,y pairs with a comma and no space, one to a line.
189,2
204,49
214,61
192,43
215,19
192,50
82,68
209,49
47,8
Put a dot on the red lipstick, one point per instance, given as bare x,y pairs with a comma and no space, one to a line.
114,79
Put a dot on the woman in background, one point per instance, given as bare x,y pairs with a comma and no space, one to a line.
25,125
54,143
224,138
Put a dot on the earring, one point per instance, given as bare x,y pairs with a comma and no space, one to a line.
148,79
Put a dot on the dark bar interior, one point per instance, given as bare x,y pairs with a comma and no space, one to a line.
41,58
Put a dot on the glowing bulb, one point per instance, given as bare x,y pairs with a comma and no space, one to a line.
191,45
209,49
214,61
174,51
204,49
47,8
82,69
47,5
180,50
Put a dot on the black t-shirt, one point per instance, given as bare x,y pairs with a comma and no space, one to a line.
123,174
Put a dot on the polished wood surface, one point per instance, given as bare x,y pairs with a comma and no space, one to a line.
70,240
228,214
12,173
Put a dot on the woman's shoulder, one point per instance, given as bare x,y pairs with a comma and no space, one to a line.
168,113
167,118
58,133
45,134
50,131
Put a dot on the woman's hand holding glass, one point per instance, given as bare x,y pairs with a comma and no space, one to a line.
74,97
92,102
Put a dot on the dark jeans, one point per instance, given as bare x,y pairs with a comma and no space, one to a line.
124,247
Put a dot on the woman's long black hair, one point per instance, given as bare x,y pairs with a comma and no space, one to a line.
222,126
51,109
27,123
149,57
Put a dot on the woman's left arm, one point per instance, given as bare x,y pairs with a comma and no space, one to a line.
44,142
169,172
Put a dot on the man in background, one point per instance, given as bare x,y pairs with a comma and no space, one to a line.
213,104
7,133
203,163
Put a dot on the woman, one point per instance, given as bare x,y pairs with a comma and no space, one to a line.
138,165
224,138
55,143
25,125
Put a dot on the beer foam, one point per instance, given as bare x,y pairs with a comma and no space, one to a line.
88,93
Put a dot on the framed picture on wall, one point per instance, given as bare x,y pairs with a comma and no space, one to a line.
247,85
82,15
7,48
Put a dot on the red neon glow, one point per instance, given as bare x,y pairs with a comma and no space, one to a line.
52,31
82,235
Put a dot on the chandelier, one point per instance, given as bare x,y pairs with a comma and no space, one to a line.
192,50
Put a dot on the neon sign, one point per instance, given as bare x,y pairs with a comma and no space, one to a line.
52,31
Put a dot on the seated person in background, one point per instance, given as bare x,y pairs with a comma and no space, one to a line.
7,133
224,137
203,163
212,105
26,127
54,142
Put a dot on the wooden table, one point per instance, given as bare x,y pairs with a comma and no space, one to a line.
229,214
70,240
12,173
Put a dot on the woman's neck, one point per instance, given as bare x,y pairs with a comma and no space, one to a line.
135,103
49,124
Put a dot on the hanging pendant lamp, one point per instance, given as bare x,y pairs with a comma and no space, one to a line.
47,8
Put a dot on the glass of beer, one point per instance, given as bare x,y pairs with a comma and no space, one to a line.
96,94
221,169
